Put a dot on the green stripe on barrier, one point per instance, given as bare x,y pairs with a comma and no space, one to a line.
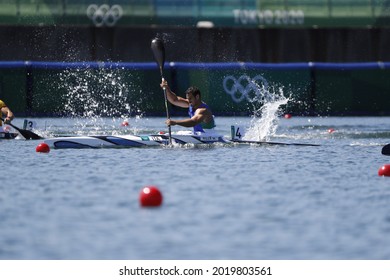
221,13
116,89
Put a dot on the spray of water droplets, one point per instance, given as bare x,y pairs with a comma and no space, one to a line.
266,110
90,94
167,38
93,93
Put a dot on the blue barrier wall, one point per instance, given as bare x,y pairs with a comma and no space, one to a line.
33,88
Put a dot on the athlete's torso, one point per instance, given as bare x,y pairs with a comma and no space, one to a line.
201,126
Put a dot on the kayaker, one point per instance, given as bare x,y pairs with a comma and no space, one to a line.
200,113
6,112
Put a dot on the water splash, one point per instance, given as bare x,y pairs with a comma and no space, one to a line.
96,92
167,38
265,119
88,95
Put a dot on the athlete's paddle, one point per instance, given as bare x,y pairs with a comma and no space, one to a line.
159,55
386,150
29,135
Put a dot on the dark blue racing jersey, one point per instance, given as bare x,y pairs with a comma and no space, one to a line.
201,126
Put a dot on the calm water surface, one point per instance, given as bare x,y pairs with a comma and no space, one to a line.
220,202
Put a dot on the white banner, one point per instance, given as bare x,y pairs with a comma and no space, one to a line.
195,269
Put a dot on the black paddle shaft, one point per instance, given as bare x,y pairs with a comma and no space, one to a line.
158,50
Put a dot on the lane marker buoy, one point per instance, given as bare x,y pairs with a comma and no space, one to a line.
287,116
150,196
384,170
42,148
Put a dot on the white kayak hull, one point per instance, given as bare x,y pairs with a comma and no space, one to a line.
179,138
111,141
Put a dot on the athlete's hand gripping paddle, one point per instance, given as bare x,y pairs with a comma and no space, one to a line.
159,55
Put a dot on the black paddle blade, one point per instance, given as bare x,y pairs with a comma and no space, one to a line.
29,135
386,150
158,52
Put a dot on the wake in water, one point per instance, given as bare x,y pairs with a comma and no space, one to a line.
265,119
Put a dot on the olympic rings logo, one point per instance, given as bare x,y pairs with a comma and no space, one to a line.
246,88
104,15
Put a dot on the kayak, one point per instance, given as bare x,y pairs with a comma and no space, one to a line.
111,141
8,135
160,139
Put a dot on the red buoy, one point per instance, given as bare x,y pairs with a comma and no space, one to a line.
42,148
384,170
331,130
287,116
125,123
150,197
